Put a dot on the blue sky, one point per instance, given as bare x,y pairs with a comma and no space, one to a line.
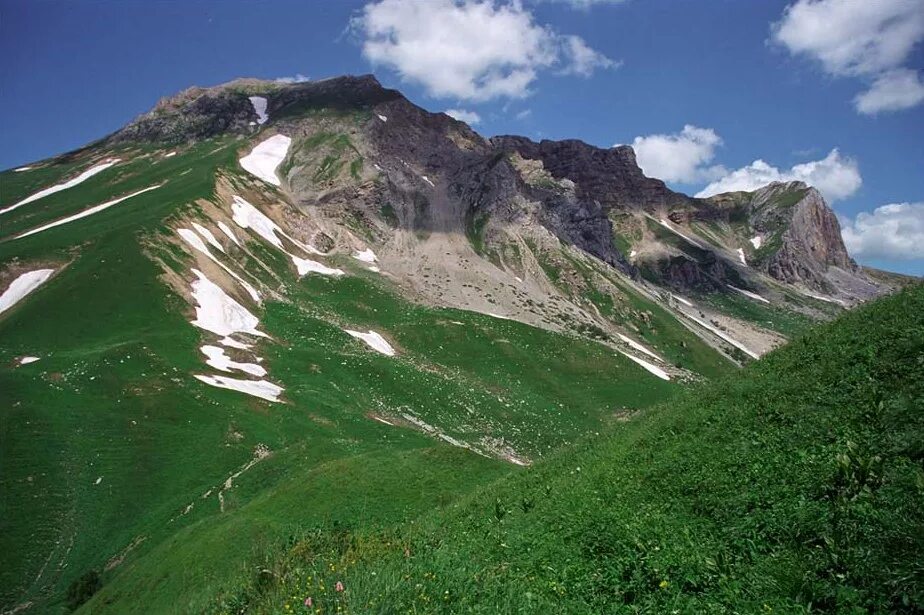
783,83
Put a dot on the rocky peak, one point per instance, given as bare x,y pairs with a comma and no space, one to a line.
811,242
200,113
609,176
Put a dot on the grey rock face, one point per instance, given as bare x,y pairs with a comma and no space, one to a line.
575,190
609,176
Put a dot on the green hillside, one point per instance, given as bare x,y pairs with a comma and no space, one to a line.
795,486
115,459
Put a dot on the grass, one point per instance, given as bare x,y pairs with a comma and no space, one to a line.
786,322
112,399
794,487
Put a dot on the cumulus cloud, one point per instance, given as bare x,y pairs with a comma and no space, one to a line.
897,89
297,78
680,157
469,117
856,38
469,49
891,231
835,176
582,60
586,4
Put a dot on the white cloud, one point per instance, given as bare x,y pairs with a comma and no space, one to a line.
891,231
680,157
858,38
584,60
468,49
297,78
469,117
892,91
522,115
586,4
835,176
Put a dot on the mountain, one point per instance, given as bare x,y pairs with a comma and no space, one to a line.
264,308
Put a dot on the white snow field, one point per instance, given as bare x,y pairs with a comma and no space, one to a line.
259,106
208,236
258,388
741,256
366,256
654,369
249,217
22,286
305,265
193,240
263,160
723,335
227,231
87,212
748,293
757,241
374,341
59,187
230,342
686,238
631,342
219,313
220,361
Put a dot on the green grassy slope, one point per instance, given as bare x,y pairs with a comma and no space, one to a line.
107,440
795,486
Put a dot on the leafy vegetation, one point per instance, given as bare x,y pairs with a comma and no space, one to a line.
793,487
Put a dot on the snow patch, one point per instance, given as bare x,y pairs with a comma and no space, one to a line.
59,187
227,231
27,360
305,265
374,341
258,388
366,256
631,342
98,480
686,238
259,107
209,237
87,212
741,256
748,293
427,179
220,361
193,240
21,169
230,342
382,117
686,302
169,154
219,313
374,269
654,369
724,336
757,241
263,160
22,286
633,254
247,216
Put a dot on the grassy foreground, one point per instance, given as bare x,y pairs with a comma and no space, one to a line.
795,486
